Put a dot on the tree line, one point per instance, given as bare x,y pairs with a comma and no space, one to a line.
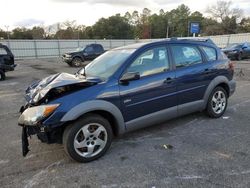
222,19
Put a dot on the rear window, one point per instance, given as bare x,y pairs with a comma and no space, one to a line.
3,51
185,56
210,53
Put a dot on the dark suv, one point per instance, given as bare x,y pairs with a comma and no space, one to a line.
6,61
81,55
125,89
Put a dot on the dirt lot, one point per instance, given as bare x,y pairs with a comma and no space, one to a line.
206,152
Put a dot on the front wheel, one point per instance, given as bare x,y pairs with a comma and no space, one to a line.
76,62
88,138
2,75
217,102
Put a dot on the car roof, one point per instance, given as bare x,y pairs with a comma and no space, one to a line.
168,41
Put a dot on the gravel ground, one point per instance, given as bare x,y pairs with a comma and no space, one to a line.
206,152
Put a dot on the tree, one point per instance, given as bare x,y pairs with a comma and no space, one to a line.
222,10
226,15
179,19
21,33
37,33
3,34
244,25
114,27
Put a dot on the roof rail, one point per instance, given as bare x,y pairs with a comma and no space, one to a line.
197,39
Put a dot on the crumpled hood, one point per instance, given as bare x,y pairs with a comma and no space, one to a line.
39,89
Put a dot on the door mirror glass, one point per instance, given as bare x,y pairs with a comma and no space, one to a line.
129,76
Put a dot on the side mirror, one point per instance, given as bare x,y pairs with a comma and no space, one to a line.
244,47
129,76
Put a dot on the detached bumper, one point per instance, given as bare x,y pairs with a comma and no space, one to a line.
45,135
232,87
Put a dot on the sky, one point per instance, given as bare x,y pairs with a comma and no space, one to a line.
28,13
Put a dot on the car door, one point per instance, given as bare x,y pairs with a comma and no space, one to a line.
147,99
89,53
98,50
192,76
246,50
4,56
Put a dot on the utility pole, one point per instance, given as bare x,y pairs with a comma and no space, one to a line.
7,28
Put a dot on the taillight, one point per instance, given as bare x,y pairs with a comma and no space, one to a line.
231,65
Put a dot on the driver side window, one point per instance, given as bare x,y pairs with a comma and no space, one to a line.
150,62
89,49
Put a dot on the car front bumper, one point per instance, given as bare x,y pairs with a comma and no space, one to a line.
44,133
232,55
67,59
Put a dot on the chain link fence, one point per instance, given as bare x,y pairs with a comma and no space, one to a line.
23,49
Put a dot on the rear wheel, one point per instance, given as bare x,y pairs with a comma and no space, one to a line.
88,138
2,75
217,103
76,62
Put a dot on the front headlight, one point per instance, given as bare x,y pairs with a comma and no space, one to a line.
67,55
31,116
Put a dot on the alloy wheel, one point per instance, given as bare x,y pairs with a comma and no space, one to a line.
218,102
90,140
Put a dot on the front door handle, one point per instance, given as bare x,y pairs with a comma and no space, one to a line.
168,80
207,71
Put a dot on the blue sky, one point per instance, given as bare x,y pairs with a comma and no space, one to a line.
45,12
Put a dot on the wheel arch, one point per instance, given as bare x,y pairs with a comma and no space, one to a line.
78,56
221,81
100,107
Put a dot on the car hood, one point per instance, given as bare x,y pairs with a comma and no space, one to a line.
73,52
39,89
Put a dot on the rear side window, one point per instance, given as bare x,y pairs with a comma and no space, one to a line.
3,51
185,56
210,53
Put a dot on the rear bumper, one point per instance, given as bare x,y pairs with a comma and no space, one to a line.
232,87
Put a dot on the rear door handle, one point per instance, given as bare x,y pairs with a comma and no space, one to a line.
168,80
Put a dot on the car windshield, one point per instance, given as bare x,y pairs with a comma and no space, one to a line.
105,65
79,49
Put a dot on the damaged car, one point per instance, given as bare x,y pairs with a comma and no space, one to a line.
125,89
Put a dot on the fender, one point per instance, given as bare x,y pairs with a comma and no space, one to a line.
216,81
93,105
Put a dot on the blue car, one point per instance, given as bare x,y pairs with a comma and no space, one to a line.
125,89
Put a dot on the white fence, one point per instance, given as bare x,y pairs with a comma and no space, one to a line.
55,48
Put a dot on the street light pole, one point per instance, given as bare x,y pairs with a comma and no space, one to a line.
7,28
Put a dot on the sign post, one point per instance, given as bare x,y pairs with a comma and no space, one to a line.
194,28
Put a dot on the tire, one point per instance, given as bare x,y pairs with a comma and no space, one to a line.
239,57
217,102
88,138
2,75
76,62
